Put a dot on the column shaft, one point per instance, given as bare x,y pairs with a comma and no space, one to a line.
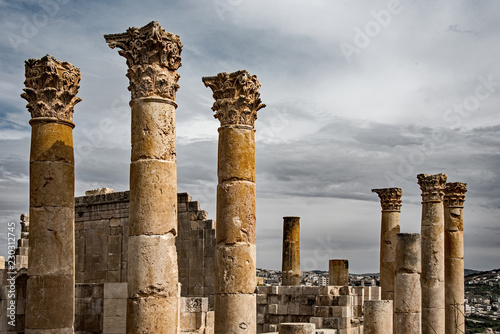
432,247
338,272
236,105
407,294
377,317
390,199
152,305
51,283
454,257
290,269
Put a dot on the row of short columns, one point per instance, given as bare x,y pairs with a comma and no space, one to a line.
424,274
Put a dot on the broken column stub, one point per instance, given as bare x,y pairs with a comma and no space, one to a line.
390,200
338,272
378,316
153,57
432,247
290,268
237,101
407,294
51,88
454,257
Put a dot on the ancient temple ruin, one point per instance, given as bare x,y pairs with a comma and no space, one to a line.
149,260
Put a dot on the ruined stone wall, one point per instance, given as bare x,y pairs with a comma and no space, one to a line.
195,250
329,307
101,237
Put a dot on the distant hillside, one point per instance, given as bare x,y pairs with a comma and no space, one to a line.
468,272
485,274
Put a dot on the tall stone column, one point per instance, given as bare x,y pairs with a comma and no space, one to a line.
290,268
51,88
338,271
407,293
390,199
153,56
237,100
378,316
432,240
454,198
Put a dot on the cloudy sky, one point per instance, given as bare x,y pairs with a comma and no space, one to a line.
359,94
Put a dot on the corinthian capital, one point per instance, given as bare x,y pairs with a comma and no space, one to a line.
51,88
390,198
454,194
237,97
432,187
153,56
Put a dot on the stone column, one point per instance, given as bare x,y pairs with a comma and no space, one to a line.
390,199
454,257
290,268
432,246
407,293
338,272
237,101
51,88
377,317
153,56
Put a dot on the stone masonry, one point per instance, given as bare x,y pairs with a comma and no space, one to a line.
454,198
328,307
237,100
153,57
432,239
290,269
407,293
51,88
390,200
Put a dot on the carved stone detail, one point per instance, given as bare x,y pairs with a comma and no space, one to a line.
432,187
390,198
237,97
153,56
51,88
454,196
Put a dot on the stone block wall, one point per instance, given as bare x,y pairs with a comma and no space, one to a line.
89,306
20,278
101,237
195,250
329,308
194,316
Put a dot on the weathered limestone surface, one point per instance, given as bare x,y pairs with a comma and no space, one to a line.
51,88
153,56
291,251
454,257
390,200
378,317
407,297
330,308
432,246
237,101
338,272
296,328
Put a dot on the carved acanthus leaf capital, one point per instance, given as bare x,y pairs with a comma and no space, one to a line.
432,187
390,198
237,97
153,56
51,88
454,194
